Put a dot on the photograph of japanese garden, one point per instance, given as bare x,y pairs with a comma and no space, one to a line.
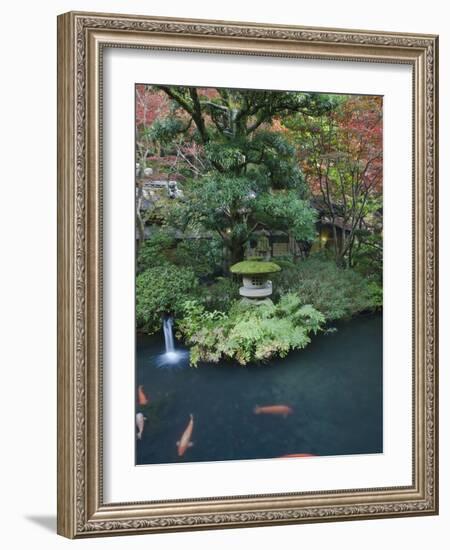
259,264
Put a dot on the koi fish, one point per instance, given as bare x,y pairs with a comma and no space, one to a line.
185,440
140,419
300,455
283,410
142,398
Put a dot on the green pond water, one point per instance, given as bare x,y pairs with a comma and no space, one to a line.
334,388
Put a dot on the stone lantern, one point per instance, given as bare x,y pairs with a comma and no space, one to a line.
255,277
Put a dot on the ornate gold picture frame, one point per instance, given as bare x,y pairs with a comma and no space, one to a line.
82,39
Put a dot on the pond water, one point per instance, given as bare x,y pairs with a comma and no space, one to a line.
334,388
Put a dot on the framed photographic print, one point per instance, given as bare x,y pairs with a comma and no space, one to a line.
247,287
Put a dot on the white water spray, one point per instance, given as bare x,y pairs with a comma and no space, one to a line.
171,356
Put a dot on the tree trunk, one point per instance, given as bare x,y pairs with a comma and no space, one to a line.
234,253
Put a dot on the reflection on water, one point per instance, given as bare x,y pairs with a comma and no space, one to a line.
333,389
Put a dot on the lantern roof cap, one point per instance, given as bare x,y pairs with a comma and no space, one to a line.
254,267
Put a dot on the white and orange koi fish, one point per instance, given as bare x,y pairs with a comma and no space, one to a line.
140,419
185,440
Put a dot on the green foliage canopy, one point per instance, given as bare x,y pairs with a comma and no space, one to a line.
203,256
244,160
233,207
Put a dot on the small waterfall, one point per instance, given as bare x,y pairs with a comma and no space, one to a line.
168,334
172,357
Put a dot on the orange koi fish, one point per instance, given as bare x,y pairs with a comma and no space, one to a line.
300,455
283,410
142,398
185,440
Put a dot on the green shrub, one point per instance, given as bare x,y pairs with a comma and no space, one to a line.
248,332
203,256
376,293
160,290
285,262
336,292
220,295
155,250
368,257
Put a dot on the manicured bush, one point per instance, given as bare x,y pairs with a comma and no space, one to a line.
248,332
336,292
162,290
